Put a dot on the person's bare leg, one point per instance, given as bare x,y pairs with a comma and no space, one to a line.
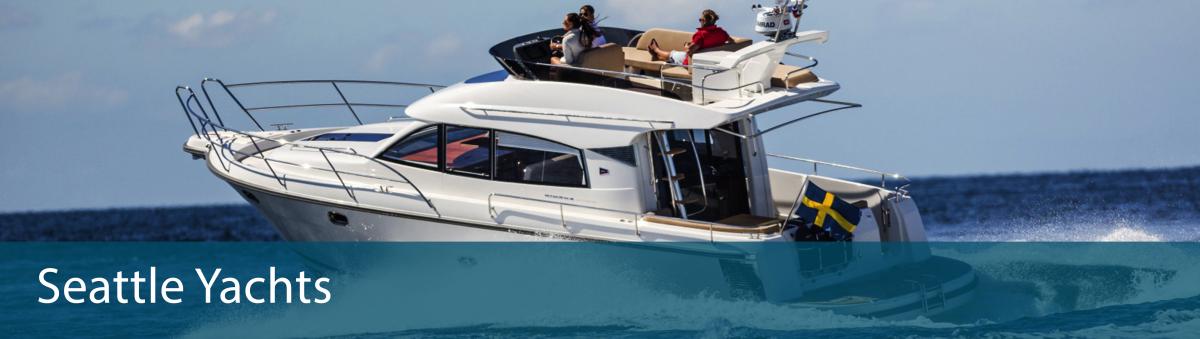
657,53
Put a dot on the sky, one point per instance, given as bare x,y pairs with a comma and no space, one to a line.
89,120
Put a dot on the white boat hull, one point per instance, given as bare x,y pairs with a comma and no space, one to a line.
303,220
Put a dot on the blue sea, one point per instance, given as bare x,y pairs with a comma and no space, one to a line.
1079,254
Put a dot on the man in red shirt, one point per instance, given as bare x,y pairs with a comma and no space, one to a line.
709,35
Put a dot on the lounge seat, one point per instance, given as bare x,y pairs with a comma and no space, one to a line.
608,57
638,56
677,72
640,59
788,76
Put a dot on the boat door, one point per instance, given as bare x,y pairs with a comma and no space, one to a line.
700,174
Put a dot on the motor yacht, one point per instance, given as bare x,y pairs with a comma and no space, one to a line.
616,148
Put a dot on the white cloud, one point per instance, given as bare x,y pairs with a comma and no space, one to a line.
401,49
445,45
188,27
383,56
219,28
55,93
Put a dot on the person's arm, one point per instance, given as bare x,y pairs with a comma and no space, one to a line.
691,49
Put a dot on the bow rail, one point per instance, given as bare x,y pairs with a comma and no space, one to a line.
221,139
229,89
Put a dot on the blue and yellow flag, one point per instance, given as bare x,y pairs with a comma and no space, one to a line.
827,211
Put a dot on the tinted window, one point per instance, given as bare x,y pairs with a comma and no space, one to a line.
527,159
420,148
468,151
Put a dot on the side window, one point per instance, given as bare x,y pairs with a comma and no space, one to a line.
531,160
468,151
419,148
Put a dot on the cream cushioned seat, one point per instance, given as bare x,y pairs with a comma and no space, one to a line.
677,72
638,57
608,57
788,76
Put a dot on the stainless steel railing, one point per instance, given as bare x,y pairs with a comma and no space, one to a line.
883,176
229,89
215,133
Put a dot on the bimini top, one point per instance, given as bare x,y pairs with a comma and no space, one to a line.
614,96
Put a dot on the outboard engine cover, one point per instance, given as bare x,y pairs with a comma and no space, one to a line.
778,22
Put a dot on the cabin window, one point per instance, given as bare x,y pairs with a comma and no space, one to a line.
531,160
468,151
419,148
623,154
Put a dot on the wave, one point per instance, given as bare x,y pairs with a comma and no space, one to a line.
1094,228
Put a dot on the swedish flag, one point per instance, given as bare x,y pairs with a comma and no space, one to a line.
826,211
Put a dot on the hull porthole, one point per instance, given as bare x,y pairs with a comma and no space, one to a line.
338,219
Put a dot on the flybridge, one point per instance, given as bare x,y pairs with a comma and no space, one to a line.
737,75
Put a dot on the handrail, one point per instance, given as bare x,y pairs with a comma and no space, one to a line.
264,108
900,190
814,63
485,109
562,216
228,88
700,172
841,106
205,124
882,175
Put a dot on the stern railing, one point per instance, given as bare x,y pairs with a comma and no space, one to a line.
883,177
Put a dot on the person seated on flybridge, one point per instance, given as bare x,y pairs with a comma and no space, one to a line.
578,38
589,13
708,35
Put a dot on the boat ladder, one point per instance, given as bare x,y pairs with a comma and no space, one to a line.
933,296
668,157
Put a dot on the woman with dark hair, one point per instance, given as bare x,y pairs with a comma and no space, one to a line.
709,35
578,38
589,13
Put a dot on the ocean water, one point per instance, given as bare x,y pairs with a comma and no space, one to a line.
1086,254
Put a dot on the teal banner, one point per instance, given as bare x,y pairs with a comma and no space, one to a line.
273,289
